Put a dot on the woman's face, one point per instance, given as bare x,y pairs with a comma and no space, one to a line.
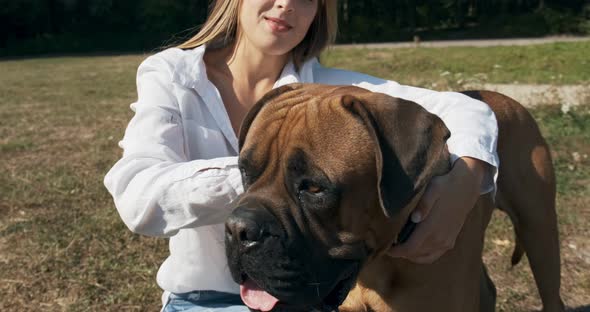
276,26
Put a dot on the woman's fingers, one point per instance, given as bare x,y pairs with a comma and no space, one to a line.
427,201
431,238
412,248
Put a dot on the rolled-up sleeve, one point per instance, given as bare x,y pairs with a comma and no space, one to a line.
157,190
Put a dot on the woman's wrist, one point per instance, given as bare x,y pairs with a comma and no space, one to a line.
471,168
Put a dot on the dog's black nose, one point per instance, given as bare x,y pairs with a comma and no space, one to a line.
246,226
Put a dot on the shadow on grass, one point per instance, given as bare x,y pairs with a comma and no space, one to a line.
98,44
80,54
585,308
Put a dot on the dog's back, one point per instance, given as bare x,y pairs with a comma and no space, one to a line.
526,192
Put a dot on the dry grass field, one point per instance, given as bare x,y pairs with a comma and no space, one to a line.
63,247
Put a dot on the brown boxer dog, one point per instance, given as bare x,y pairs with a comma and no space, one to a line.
332,174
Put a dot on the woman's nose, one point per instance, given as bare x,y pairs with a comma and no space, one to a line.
287,5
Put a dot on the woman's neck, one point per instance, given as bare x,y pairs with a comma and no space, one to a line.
253,66
242,74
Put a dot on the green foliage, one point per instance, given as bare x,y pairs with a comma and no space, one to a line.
57,26
584,24
561,21
42,26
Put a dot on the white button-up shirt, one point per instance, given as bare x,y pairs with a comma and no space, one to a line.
164,185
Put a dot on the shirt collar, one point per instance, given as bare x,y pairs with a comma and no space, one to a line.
288,75
191,73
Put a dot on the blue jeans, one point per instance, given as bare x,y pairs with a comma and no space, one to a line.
205,301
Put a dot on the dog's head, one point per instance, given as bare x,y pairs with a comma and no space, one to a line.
331,174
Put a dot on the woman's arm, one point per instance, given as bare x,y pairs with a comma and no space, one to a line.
157,190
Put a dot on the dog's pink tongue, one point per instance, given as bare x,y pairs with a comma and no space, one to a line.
256,298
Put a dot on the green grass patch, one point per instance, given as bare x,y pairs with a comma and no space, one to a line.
569,136
15,146
453,67
63,246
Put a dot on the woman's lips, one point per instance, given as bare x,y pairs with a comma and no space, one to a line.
277,24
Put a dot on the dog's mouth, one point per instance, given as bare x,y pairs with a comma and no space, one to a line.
259,299
255,297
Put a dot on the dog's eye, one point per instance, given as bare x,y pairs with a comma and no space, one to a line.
310,187
317,195
314,189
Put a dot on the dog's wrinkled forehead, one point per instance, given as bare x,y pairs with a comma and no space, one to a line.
283,102
314,122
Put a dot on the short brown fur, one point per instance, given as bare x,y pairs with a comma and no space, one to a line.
526,192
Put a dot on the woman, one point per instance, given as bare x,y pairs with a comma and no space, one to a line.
178,174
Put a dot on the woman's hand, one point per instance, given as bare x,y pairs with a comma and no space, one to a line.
441,212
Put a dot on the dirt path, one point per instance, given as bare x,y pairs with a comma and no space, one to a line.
528,94
533,95
465,43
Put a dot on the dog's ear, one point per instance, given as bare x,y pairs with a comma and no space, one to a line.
251,115
410,145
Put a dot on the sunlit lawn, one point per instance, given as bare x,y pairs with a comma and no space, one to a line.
440,68
63,247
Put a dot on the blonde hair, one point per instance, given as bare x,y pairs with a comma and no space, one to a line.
221,28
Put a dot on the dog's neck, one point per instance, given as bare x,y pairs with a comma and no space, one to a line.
373,290
396,230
